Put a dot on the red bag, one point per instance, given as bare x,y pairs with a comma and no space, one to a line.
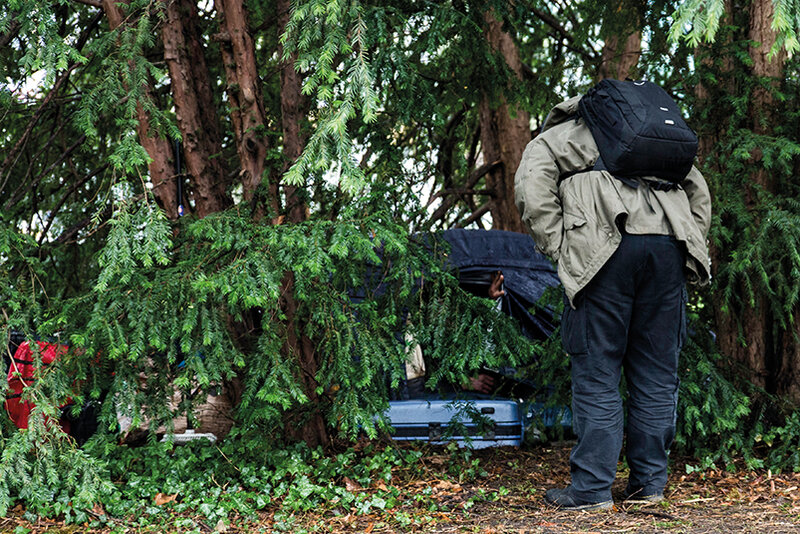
21,374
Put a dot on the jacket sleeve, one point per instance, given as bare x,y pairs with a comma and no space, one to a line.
536,195
699,199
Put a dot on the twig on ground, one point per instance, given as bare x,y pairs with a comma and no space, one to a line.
698,499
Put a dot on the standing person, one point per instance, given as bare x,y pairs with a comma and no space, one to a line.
625,246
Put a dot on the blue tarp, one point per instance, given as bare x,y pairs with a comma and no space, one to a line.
477,254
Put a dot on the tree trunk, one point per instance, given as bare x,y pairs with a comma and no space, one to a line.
787,374
244,92
161,168
505,131
751,335
617,61
622,45
294,107
770,355
195,108
310,427
761,14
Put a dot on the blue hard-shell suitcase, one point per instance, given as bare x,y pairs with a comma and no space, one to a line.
501,422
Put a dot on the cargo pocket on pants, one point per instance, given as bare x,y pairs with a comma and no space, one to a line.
573,327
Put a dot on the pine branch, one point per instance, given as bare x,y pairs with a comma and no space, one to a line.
19,193
13,30
568,13
480,212
45,148
13,154
551,21
445,161
451,194
103,217
54,211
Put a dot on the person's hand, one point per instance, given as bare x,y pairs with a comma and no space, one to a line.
481,383
496,287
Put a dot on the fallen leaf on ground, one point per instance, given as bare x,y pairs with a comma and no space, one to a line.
447,486
162,498
351,485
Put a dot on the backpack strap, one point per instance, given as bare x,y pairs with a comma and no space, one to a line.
570,174
658,185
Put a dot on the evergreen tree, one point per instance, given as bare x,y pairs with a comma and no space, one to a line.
746,92
306,144
245,117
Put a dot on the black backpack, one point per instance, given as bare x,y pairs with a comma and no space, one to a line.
639,130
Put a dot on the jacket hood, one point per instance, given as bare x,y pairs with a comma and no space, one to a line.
562,112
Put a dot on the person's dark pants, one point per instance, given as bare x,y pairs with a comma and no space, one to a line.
631,316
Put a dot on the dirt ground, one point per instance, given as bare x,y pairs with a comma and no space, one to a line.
709,502
697,502
506,496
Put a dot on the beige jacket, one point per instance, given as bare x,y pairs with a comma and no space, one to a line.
574,222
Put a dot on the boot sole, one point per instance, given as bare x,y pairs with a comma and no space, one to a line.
590,507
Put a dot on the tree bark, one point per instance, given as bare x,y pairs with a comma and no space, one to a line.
310,427
622,45
161,168
617,61
244,92
194,107
294,107
762,103
788,373
761,14
751,335
770,355
726,319
505,131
